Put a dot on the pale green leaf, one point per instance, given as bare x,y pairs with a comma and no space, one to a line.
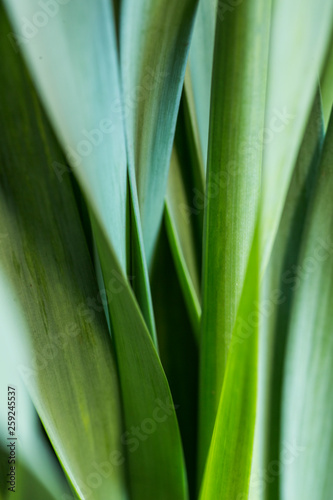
199,78
276,299
326,83
71,370
78,81
85,109
33,454
307,422
300,33
157,464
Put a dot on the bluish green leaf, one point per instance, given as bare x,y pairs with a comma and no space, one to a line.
307,396
71,370
152,77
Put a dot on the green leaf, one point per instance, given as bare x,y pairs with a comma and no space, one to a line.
280,281
71,370
157,465
82,100
85,109
155,457
25,482
184,224
307,395
232,193
152,77
300,33
36,462
326,83
228,465
177,343
199,78
139,270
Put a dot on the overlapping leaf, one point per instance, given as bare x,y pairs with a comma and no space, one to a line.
79,85
71,372
84,105
233,188
306,28
157,464
307,396
154,42
279,285
35,468
155,457
184,221
177,342
228,466
198,81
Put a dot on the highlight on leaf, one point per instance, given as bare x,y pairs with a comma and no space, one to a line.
166,250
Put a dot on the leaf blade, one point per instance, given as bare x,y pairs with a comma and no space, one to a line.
44,256
237,112
158,72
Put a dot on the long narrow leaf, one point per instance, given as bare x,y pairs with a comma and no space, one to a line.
142,378
306,30
228,466
233,189
198,81
152,77
307,397
279,286
84,105
43,257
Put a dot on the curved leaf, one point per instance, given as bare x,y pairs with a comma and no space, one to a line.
33,453
184,227
84,104
276,302
157,465
152,78
43,257
307,396
77,79
300,32
155,457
